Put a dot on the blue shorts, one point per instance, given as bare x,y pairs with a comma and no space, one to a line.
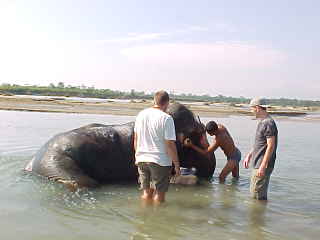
235,156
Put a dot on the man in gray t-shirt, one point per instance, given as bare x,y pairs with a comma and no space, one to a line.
264,150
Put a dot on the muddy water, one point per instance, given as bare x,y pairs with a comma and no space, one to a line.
33,208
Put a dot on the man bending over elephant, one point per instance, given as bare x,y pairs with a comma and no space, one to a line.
155,148
223,140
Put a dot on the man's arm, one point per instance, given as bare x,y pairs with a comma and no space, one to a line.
135,139
271,142
172,152
205,151
247,159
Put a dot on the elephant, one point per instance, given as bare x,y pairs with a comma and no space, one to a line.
98,154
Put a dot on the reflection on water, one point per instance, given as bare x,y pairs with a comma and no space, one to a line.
257,219
35,208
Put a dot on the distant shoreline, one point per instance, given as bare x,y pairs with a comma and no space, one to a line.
61,90
130,107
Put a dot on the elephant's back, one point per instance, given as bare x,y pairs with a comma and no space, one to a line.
107,154
103,152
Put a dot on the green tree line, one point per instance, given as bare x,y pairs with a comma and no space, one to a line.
61,89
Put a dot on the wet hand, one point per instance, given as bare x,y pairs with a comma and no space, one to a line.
177,172
175,177
261,171
247,161
187,142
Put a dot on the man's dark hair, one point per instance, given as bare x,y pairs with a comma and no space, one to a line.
211,127
161,98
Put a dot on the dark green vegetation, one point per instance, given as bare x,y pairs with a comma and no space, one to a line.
82,91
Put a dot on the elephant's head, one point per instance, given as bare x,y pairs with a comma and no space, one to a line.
187,126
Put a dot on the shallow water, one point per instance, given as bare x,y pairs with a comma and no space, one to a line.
32,207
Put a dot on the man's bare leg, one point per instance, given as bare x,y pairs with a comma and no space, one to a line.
235,171
226,170
159,197
147,194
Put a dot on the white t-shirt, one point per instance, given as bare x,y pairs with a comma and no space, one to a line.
153,127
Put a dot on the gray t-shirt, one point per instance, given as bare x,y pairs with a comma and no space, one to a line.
266,128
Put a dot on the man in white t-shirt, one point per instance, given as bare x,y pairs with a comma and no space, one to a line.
155,148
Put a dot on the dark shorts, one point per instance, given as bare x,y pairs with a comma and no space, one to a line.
188,171
152,175
235,156
259,185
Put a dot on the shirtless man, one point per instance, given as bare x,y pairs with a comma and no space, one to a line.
223,140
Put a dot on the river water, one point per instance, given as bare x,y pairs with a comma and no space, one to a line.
32,207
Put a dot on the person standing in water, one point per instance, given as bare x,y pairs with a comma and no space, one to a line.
223,140
263,154
155,149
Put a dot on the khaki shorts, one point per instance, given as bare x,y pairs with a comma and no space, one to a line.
152,175
259,185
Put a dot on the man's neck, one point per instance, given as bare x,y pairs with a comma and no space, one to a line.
157,107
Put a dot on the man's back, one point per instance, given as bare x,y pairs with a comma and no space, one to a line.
153,127
225,141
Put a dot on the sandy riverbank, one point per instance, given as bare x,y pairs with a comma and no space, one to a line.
130,108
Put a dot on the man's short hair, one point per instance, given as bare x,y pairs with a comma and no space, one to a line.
161,98
211,126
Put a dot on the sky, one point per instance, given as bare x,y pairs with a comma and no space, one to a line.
233,48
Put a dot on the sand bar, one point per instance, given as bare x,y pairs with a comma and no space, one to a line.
132,107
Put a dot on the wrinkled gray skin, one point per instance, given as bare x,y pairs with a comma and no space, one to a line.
98,154
187,126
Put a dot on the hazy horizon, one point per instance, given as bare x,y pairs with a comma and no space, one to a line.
232,48
171,92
